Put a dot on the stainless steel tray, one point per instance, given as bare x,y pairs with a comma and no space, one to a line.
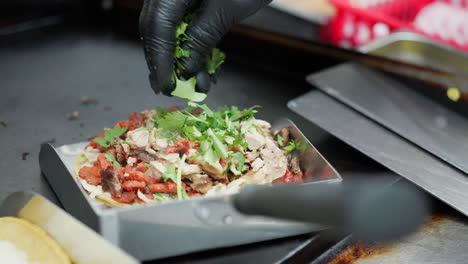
176,227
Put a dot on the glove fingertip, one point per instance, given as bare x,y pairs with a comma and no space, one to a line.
165,88
203,82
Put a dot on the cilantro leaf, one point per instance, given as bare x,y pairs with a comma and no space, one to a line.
208,153
179,52
217,145
214,60
111,158
240,160
171,121
280,141
170,173
180,189
186,89
109,136
296,145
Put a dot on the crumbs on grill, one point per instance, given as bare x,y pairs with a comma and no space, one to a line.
85,100
25,155
73,116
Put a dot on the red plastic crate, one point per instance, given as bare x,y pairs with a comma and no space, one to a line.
357,22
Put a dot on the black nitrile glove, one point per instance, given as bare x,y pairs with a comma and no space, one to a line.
212,19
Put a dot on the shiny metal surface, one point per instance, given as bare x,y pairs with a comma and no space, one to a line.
430,173
210,222
81,244
396,106
416,49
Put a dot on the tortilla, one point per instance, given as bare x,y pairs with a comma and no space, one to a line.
79,163
32,240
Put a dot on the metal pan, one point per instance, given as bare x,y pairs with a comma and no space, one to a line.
162,230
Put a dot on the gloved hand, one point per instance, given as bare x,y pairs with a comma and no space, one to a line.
212,19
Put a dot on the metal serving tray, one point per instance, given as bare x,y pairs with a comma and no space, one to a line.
175,227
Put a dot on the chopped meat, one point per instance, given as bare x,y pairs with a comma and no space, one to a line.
197,111
275,161
133,185
251,156
294,166
284,133
262,124
148,116
171,157
157,143
142,155
139,176
200,182
257,164
102,162
159,167
141,167
111,181
126,197
138,139
135,121
119,151
174,108
191,169
91,175
192,194
154,174
166,187
254,140
215,170
131,161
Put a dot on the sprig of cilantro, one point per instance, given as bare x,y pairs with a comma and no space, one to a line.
184,85
295,145
110,135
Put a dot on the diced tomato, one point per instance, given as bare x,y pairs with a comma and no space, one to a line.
126,197
225,181
139,176
102,162
93,143
92,175
133,185
287,178
166,187
223,162
141,167
172,149
122,123
182,146
135,121
191,194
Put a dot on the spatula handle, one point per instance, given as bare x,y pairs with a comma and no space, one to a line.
370,209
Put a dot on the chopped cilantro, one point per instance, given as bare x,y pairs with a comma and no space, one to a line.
214,60
111,158
180,189
170,173
109,136
186,89
240,162
171,121
295,144
148,165
185,86
160,197
280,140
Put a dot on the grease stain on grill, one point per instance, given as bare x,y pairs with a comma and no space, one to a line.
24,155
352,254
73,116
107,108
3,123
